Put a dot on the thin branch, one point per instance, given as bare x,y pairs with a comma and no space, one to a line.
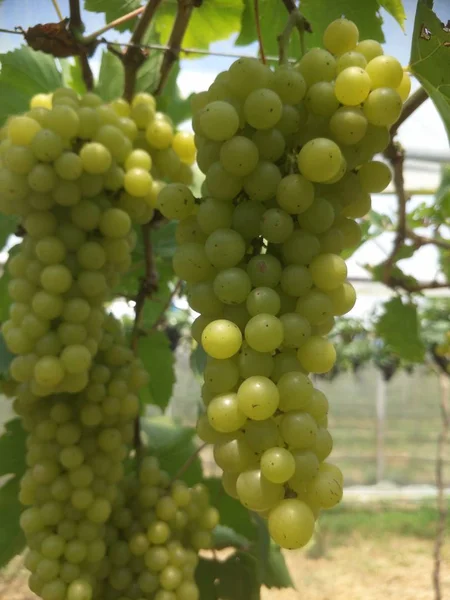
290,5
419,287
258,31
76,27
75,23
409,107
167,305
120,21
441,502
302,24
13,31
420,240
188,463
184,11
396,156
86,72
134,57
57,9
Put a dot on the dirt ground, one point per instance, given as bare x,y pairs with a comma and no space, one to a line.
363,569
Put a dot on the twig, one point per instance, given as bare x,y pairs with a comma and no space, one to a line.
13,31
409,107
395,154
420,240
419,287
188,463
184,11
134,57
297,20
258,31
120,21
58,10
290,5
75,23
441,502
76,27
167,304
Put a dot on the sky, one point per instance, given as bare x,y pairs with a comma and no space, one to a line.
422,134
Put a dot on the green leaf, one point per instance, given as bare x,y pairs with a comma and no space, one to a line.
12,462
155,352
198,360
206,575
111,77
148,74
399,328
209,22
225,537
24,73
232,513
276,573
173,445
114,9
163,240
8,226
72,74
430,57
396,9
238,578
171,101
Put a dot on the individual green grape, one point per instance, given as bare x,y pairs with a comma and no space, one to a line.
358,208
348,125
184,146
76,358
251,363
375,176
224,248
221,184
383,107
295,194
277,465
296,329
328,271
137,182
262,108
288,84
351,231
317,65
256,492
191,263
321,99
292,118
201,298
319,159
340,36
233,455
95,158
276,225
159,134
316,306
323,444
175,201
263,181
258,398
342,298
239,156
207,154
296,280
225,413
214,214
352,58
369,48
264,333
221,339
384,71
298,429
219,121
325,489
352,86
246,75
296,391
291,523
19,159
270,143
263,300
49,371
56,279
246,219
42,178
264,270
306,467
317,355
221,375
404,88
318,218
331,241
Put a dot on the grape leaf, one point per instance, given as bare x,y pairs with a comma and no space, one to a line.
430,57
209,22
276,573
113,9
398,326
72,74
8,225
396,9
171,101
110,78
25,72
158,359
12,462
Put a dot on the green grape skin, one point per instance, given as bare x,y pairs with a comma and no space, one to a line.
342,298
404,88
306,467
191,263
296,280
316,306
262,108
247,74
318,217
176,201
369,49
258,397
298,429
239,156
318,407
321,100
383,107
325,490
276,225
323,444
270,143
232,286
340,36
295,390
219,121
263,300
264,333
289,85
296,329
352,58
317,355
225,414
291,523
384,71
328,271
263,181
374,176
251,362
348,125
224,248
317,65
264,270
233,455
256,492
213,214
277,465
352,86
202,299
221,339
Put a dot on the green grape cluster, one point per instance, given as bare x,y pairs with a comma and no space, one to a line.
155,532
80,175
288,161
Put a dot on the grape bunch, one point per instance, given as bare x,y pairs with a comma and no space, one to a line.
80,175
288,161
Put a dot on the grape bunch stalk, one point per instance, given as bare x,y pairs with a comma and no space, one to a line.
81,175
288,161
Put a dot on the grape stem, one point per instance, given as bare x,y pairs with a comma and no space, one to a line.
295,21
442,505
76,27
134,56
57,9
188,463
258,31
411,105
182,18
112,24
